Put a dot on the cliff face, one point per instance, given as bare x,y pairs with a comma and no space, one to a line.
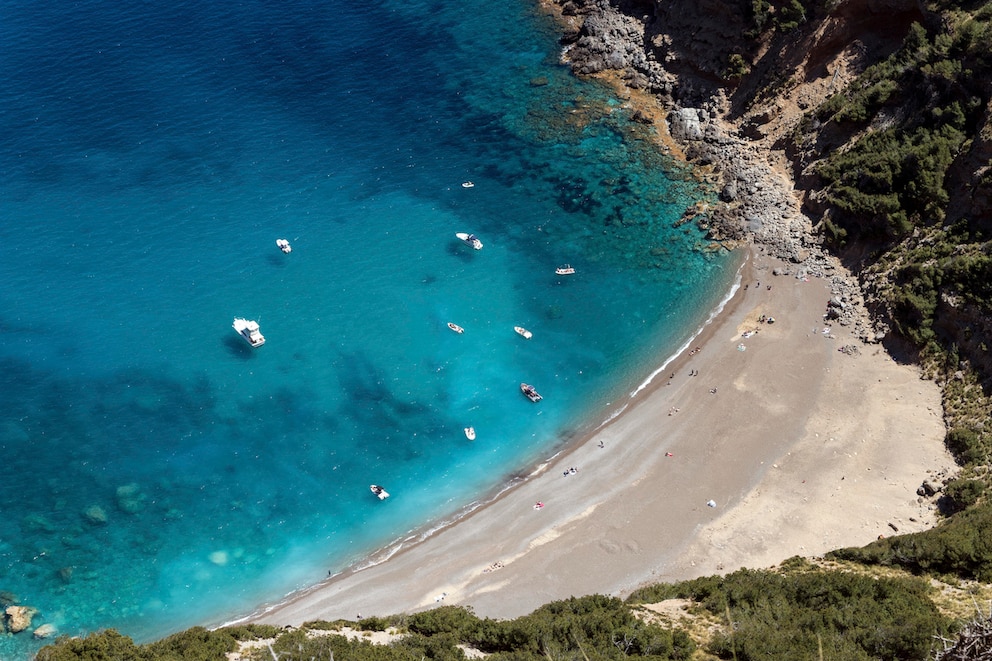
695,39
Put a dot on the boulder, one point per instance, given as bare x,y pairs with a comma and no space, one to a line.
130,499
684,124
45,631
729,192
19,618
95,514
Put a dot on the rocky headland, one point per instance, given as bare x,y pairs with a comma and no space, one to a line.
678,54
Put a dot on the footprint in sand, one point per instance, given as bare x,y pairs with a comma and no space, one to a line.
610,546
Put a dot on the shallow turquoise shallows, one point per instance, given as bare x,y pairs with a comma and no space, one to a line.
157,471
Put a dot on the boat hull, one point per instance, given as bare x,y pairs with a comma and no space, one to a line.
530,392
249,331
469,239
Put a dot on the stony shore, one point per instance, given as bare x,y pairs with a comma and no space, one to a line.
758,201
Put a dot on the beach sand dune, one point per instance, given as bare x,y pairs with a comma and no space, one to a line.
761,446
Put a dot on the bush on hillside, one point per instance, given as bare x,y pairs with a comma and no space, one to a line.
961,494
961,547
798,614
107,645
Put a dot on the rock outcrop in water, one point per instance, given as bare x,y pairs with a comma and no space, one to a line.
18,618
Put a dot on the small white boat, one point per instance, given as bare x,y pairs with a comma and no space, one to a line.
455,327
530,392
249,331
565,270
379,492
523,332
284,245
468,184
470,433
470,239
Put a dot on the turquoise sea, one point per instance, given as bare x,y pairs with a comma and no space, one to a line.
157,472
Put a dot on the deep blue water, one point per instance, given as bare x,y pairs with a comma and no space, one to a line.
150,155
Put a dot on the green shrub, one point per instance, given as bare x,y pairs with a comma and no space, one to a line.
595,627
446,619
964,444
252,631
737,67
195,644
374,623
961,546
438,647
961,494
797,614
107,645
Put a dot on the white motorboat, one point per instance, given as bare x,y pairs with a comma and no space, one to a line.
470,433
249,331
284,245
565,270
470,239
455,327
468,184
530,393
523,332
379,492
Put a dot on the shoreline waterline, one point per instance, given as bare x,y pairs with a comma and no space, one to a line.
177,441
636,512
410,542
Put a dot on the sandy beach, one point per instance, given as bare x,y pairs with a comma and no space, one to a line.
747,450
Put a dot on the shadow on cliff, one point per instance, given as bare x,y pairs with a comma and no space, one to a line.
862,32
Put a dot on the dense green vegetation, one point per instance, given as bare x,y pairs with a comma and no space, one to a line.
961,547
915,126
196,644
593,627
780,15
918,107
807,613
800,613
